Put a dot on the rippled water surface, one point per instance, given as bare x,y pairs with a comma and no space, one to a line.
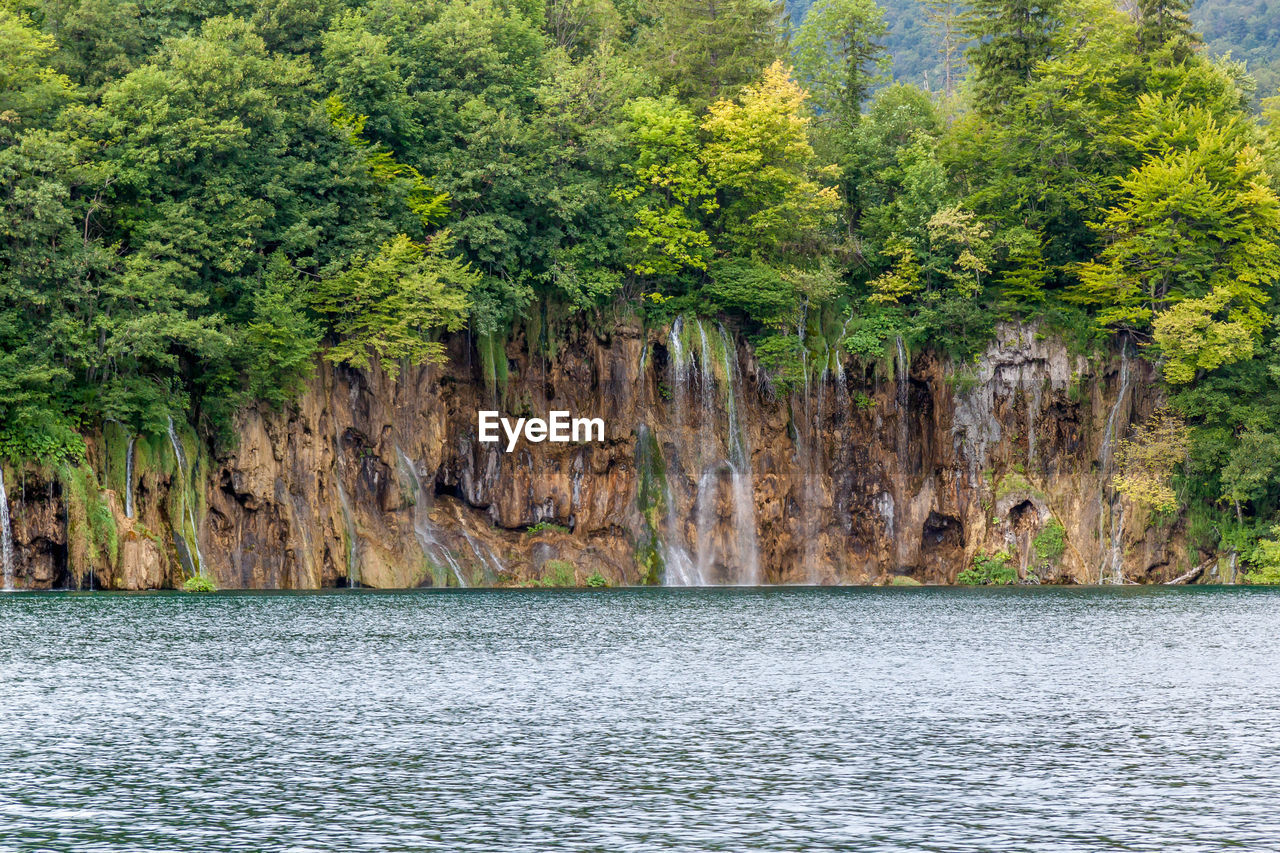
862,720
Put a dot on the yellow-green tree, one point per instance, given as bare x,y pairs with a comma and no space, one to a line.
772,194
667,188
392,305
1191,249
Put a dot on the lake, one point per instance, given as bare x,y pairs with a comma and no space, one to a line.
642,719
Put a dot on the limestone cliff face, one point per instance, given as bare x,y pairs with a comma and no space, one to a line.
708,473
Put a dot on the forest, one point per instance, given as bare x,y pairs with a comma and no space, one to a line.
927,44
201,197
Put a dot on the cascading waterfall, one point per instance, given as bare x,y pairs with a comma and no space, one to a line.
700,471
349,528
128,476
1115,562
904,401
188,512
681,569
704,506
6,536
432,548
744,504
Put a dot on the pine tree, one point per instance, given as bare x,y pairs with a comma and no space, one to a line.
1010,37
840,55
1166,24
705,49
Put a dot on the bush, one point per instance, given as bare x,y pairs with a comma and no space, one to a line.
199,583
558,573
535,529
989,570
1265,560
750,288
596,581
782,357
1050,542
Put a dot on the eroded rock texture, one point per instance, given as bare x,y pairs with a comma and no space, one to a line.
708,474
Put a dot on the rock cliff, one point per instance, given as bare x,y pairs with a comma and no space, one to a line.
709,473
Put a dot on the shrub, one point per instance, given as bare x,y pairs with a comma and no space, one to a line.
1050,542
750,288
989,570
596,581
1265,560
535,529
558,573
199,583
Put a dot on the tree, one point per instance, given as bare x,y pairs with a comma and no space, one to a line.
1148,460
1165,25
668,188
1191,252
772,201
701,50
280,338
1009,38
839,56
946,19
31,92
388,306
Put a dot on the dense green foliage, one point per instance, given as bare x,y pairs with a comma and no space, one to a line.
200,198
989,570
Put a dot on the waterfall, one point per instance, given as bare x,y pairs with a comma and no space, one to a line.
188,512
349,527
744,504
680,568
6,536
432,548
1107,456
904,402
708,459
1117,544
128,477
1108,435
700,469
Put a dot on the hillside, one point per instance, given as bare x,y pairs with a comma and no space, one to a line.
1248,30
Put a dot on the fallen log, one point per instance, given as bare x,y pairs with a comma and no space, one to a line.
1189,576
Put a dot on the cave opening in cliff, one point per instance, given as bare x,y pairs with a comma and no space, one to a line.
446,489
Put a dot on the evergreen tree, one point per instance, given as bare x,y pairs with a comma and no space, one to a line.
1010,37
1166,25
701,50
840,56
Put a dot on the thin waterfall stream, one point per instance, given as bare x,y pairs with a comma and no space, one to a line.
128,476
1115,551
6,536
188,512
425,532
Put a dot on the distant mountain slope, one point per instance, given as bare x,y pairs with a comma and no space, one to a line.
1247,29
